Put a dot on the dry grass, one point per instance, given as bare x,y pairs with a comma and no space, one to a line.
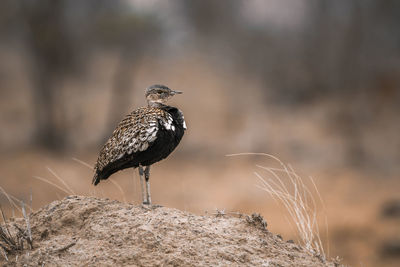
17,240
65,188
286,187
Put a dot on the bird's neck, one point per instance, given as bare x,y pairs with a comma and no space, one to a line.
154,104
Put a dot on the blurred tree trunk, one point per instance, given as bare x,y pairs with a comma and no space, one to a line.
46,134
121,94
51,58
351,79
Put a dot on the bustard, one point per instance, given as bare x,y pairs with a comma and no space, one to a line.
144,137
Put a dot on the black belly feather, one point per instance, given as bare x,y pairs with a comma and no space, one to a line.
163,145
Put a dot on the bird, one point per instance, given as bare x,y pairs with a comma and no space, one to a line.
144,137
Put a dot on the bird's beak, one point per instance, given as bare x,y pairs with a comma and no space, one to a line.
176,92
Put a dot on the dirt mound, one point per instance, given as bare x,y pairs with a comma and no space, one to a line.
89,231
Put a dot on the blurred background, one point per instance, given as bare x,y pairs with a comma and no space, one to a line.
313,82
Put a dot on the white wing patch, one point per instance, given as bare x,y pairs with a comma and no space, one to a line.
168,122
184,123
183,120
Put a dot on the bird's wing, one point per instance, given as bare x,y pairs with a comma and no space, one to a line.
134,133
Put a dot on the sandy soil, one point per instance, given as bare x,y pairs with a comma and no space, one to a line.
88,231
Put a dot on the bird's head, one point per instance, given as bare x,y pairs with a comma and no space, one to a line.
158,95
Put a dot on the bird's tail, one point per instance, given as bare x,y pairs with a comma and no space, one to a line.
96,178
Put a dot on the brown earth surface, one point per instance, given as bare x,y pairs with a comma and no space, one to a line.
88,231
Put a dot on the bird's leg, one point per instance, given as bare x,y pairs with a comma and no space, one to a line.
147,178
142,184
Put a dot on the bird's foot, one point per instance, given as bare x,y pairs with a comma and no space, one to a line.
148,206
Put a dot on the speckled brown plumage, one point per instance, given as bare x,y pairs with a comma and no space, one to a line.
134,133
